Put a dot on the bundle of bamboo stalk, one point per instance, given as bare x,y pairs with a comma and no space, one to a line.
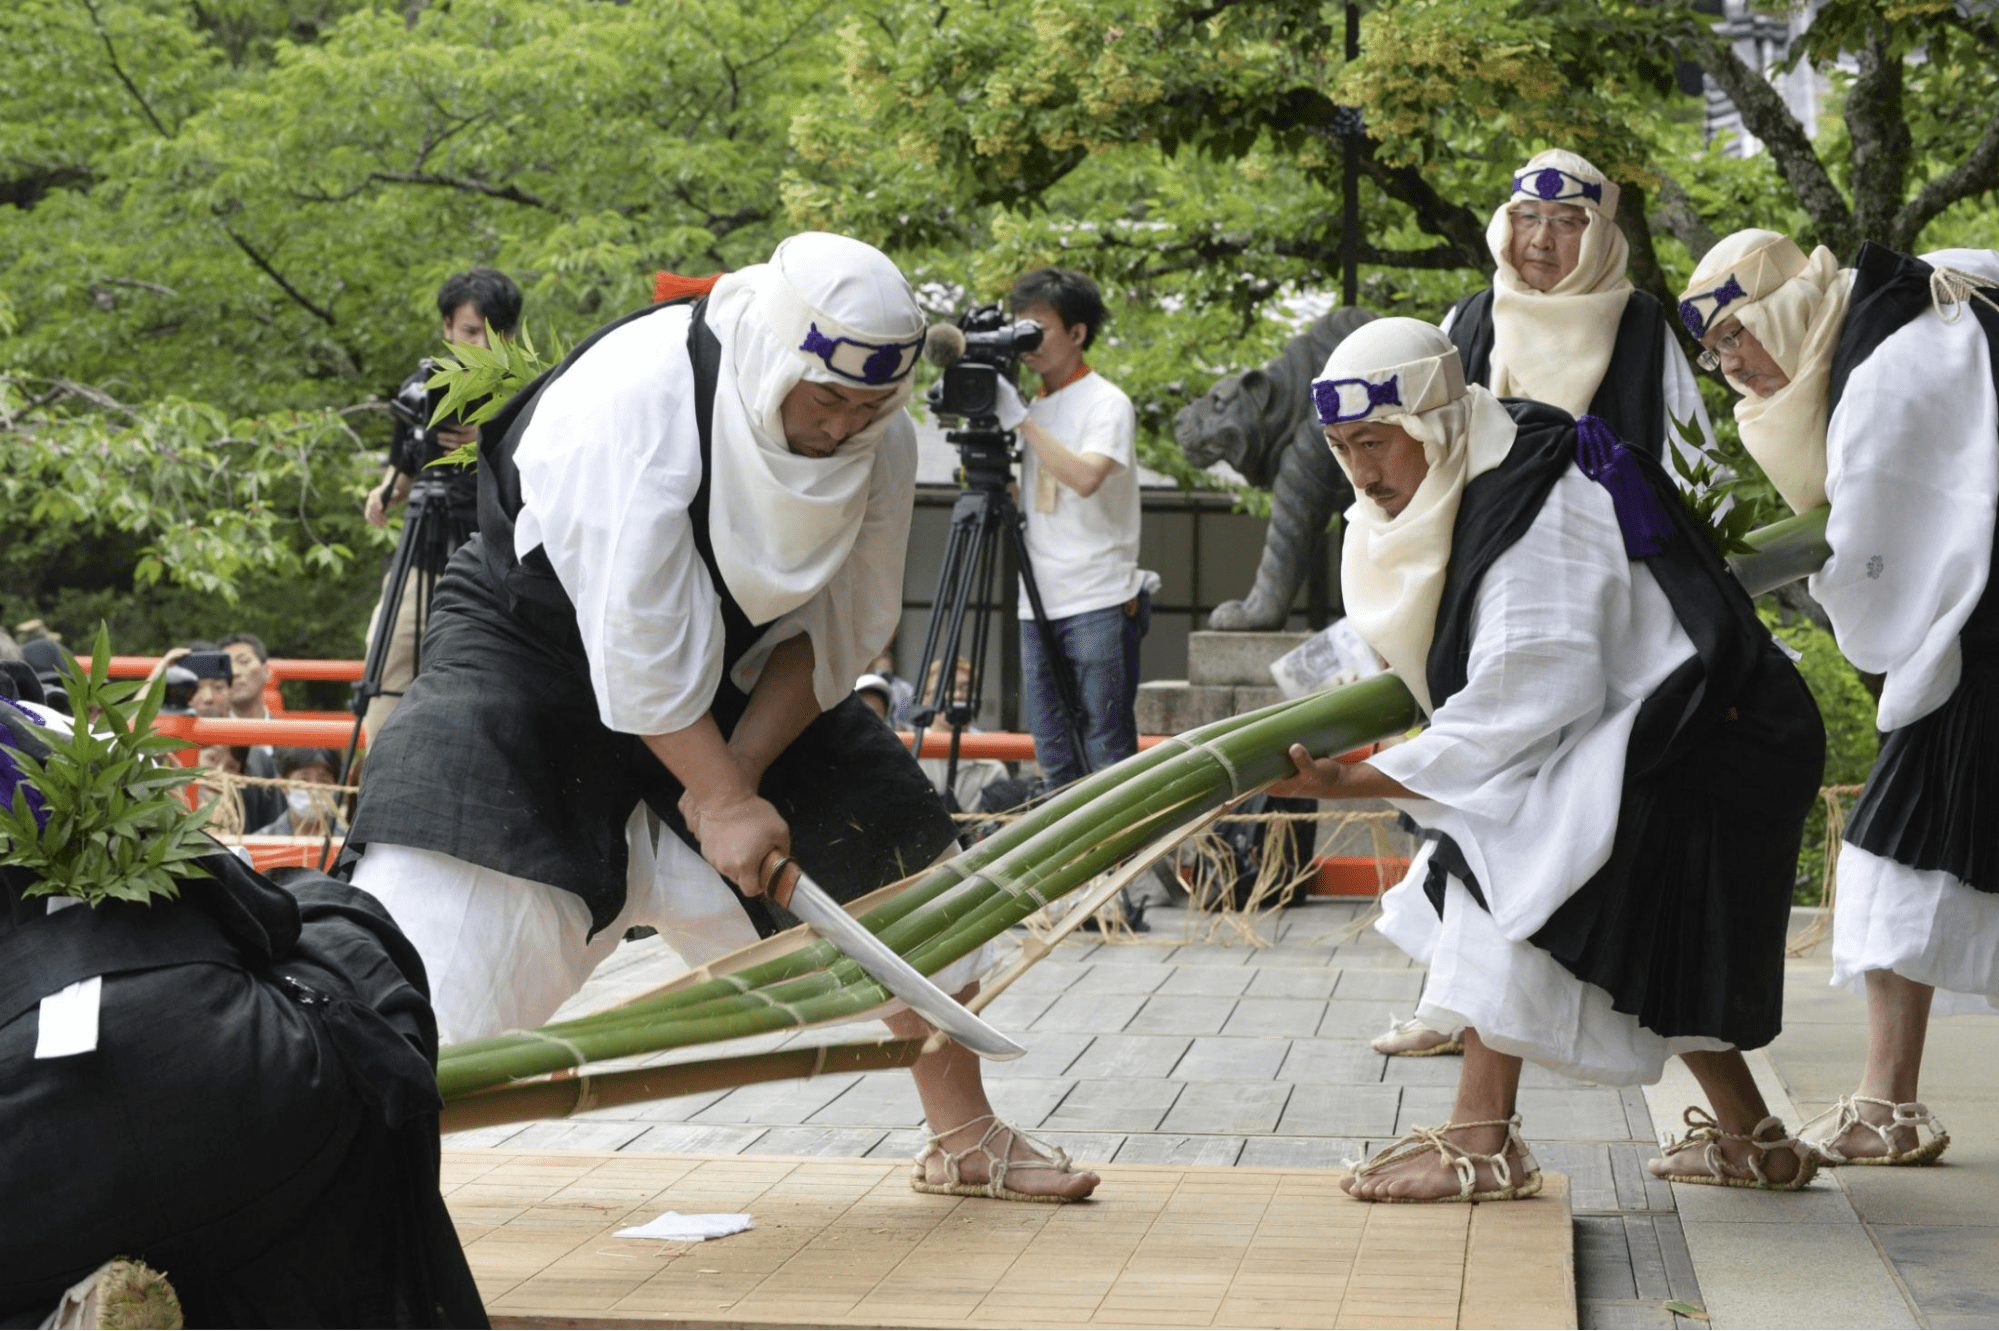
1075,836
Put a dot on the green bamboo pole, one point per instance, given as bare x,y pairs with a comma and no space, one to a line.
1181,786
819,954
1783,552
564,1096
1063,843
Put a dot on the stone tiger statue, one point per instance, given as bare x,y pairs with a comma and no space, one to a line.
1262,423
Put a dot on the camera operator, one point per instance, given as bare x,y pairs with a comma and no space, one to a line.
1079,495
467,304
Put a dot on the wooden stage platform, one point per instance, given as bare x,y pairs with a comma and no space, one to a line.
845,1243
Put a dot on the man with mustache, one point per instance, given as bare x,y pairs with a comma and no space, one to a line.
1613,782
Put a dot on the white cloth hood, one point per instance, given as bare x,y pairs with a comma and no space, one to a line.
1554,346
826,309
1406,373
1794,307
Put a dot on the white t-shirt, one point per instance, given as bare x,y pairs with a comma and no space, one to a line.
1085,553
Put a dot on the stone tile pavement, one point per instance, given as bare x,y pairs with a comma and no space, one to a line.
1167,1052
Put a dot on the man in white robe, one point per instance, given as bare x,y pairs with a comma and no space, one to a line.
637,691
1613,782
1872,389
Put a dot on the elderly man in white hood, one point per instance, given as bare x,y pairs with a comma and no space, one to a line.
1561,322
1613,782
1875,390
637,698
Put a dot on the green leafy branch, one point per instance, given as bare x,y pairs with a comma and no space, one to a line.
118,827
1725,491
479,381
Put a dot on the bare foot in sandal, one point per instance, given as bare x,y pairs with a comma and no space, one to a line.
965,1162
1867,1130
1765,1159
1451,1163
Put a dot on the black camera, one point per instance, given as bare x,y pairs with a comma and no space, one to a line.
968,390
414,403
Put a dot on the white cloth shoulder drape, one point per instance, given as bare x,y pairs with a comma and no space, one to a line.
609,467
1912,474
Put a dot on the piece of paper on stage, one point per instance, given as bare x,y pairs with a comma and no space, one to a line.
674,1227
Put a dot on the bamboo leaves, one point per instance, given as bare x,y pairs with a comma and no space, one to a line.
105,819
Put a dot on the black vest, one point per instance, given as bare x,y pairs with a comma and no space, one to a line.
1632,397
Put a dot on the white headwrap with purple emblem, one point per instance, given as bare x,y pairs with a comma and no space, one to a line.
1406,373
1554,346
1794,307
826,309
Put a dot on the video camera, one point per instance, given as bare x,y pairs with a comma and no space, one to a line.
981,350
414,404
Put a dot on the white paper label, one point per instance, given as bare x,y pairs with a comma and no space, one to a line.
69,1020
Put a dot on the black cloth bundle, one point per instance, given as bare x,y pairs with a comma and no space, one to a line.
258,1120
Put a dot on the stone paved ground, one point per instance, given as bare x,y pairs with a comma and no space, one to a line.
1196,1054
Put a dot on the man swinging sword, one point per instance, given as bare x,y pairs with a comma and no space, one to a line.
1613,783
637,689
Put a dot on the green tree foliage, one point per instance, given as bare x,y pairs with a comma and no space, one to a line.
1851,741
229,219
1191,152
222,221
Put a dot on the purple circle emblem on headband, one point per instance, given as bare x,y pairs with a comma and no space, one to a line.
1326,396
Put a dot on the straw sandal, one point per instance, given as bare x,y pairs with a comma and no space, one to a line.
1913,1116
998,1165
1703,1131
121,1292
1421,1141
1453,1042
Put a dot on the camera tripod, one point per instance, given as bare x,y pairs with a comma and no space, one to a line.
424,546
984,515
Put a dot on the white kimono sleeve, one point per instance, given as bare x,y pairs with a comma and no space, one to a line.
1524,765
1912,475
853,617
609,465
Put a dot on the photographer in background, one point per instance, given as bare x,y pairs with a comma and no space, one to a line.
468,304
1079,495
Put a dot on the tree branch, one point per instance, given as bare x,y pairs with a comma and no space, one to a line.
111,54
1977,173
464,184
1674,213
1766,116
264,265
1879,131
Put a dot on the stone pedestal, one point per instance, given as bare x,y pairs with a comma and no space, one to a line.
1227,674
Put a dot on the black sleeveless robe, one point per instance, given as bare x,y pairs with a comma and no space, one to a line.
1932,800
1631,399
496,755
1684,924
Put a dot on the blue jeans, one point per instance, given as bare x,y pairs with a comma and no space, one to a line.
1101,649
